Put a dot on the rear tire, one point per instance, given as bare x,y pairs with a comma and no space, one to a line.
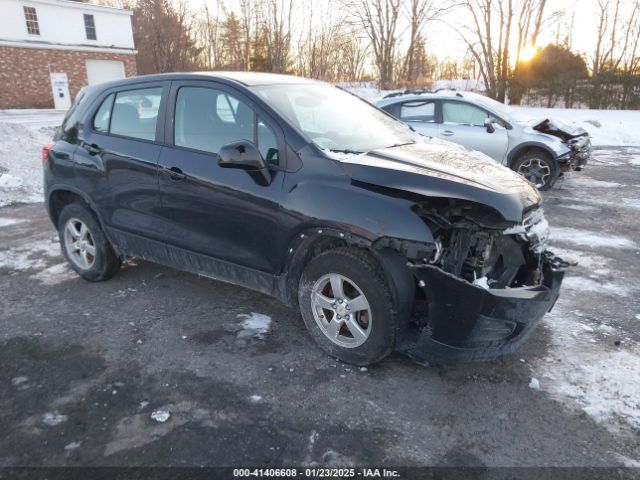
347,307
85,245
538,168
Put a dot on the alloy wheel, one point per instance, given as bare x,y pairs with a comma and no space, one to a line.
341,310
536,171
79,244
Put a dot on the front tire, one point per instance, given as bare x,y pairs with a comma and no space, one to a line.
347,306
85,245
538,168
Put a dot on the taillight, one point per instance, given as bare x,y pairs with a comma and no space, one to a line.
45,151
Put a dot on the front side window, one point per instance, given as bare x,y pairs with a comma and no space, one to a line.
463,114
207,118
333,119
90,27
419,111
31,17
133,113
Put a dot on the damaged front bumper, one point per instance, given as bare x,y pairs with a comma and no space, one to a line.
578,156
468,323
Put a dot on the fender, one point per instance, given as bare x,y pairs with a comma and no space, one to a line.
360,212
514,153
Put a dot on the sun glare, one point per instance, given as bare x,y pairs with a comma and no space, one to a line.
528,53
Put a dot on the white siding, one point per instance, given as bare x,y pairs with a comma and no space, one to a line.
62,22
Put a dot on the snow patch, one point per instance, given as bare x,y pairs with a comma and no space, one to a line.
29,256
15,381
254,325
55,274
534,384
582,208
585,181
21,161
589,239
54,418
601,381
5,222
582,284
160,415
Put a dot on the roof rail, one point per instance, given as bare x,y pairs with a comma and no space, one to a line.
419,91
412,91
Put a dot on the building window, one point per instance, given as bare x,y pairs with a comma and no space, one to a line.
90,27
32,21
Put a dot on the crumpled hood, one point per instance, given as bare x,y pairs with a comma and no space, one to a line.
443,169
552,126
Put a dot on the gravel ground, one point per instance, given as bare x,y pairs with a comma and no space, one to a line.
159,367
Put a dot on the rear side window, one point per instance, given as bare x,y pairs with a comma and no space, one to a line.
419,111
133,113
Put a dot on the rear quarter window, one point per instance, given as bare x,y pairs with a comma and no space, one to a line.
103,115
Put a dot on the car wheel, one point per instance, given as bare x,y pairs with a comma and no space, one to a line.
538,168
346,305
85,245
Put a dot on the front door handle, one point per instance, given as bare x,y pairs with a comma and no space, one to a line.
175,173
447,133
92,148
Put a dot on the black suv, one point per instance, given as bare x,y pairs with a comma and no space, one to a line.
383,238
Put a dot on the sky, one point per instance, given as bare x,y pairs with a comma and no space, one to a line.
444,41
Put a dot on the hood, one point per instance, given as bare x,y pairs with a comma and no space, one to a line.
441,169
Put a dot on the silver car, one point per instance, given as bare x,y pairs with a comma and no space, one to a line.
540,150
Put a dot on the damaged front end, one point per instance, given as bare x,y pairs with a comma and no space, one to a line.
485,287
577,139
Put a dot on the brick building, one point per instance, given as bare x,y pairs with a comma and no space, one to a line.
49,49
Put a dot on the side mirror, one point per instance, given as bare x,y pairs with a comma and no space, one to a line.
244,155
489,125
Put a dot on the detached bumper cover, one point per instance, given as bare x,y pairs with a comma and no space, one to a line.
469,323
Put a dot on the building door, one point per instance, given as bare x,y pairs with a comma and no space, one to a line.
60,90
99,71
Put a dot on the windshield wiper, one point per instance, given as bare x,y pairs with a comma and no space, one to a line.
344,150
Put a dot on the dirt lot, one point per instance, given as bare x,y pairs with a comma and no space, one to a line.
83,366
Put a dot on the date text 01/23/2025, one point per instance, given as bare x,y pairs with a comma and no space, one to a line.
315,473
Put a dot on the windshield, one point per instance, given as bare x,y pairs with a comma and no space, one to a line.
333,119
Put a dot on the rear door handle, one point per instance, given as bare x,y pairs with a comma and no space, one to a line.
447,133
175,173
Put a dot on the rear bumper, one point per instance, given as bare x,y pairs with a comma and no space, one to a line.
469,323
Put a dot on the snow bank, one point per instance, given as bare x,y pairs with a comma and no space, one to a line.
606,127
21,161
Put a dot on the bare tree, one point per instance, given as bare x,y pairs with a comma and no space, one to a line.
489,36
275,17
615,60
164,35
208,37
379,19
419,12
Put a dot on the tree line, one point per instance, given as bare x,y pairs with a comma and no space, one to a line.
386,41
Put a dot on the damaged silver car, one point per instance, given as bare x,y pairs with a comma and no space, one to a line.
541,150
